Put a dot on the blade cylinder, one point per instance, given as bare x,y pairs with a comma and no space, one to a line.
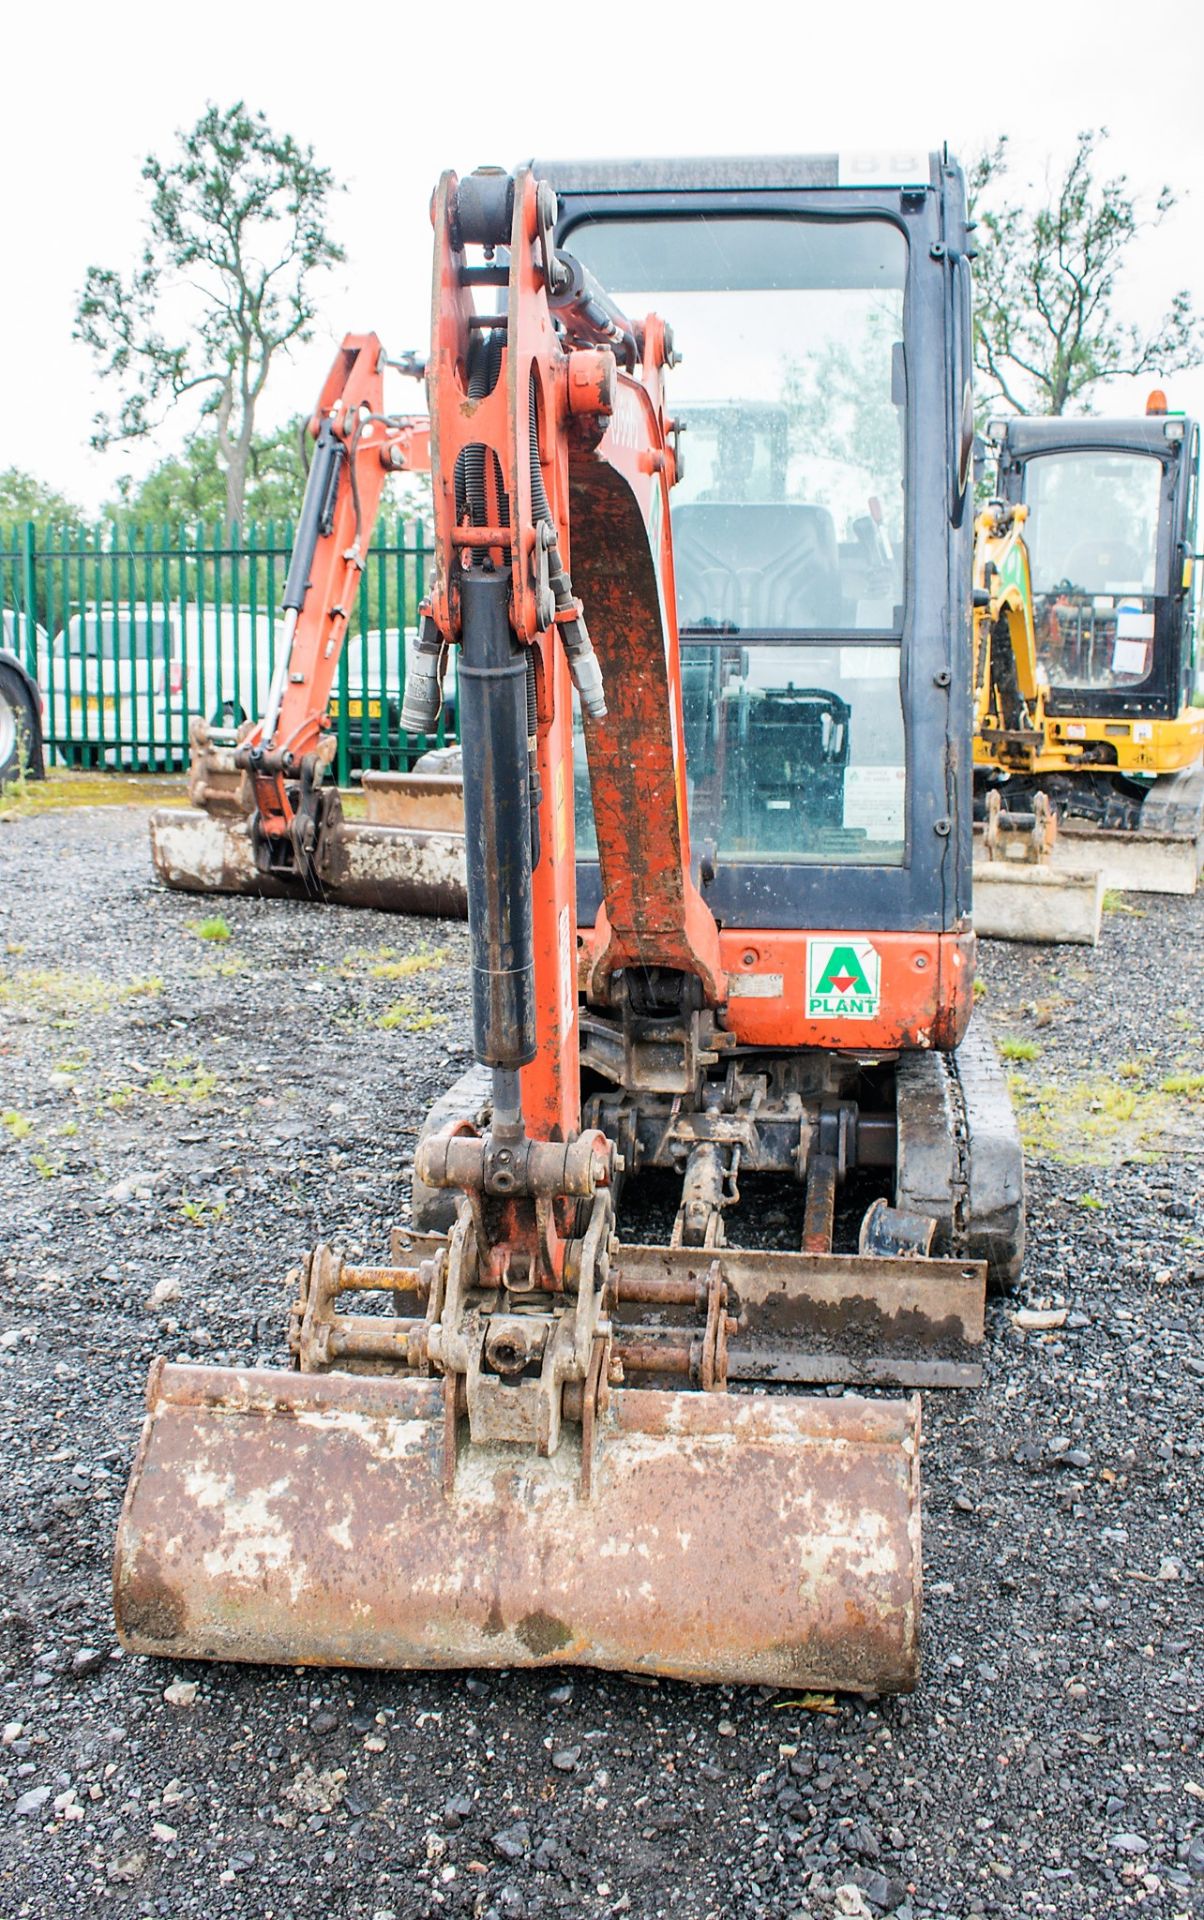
303,1519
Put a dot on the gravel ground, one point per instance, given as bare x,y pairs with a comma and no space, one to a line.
182,1117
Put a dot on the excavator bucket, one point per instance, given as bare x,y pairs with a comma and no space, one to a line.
355,1514
407,856
1024,889
332,1520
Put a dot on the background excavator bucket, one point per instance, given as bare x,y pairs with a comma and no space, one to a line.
340,1519
407,856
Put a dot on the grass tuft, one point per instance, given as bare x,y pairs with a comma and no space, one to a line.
214,927
1183,1085
1013,1049
403,1015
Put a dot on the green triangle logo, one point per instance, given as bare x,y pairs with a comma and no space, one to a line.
844,974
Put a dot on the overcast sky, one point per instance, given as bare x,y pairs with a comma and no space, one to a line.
390,95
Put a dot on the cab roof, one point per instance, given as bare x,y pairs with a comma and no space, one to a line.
744,172
1138,433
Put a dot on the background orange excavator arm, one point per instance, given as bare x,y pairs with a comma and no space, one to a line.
356,449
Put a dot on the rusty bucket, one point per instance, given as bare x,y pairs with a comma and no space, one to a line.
339,1519
393,869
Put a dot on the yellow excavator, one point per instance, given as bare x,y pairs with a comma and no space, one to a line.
1085,646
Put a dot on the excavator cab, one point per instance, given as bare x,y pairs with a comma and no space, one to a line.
714,707
1111,536
1109,731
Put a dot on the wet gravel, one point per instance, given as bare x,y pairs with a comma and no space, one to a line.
181,1117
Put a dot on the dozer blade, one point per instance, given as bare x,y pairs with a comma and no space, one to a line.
394,869
335,1519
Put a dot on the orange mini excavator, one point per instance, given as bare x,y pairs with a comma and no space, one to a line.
717,852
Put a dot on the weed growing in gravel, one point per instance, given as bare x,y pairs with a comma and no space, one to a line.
45,1167
64,996
214,927
15,1123
1115,902
1013,1049
980,987
182,1080
66,787
385,963
72,1062
1091,1201
409,965
404,1014
203,1213
1184,1085
1091,1122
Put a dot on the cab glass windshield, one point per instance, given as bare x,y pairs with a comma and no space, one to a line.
792,391
1092,536
788,522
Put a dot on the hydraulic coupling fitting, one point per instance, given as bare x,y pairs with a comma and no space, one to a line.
424,682
584,670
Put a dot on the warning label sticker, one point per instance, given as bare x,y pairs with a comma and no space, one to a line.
844,979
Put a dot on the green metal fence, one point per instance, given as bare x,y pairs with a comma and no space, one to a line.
131,630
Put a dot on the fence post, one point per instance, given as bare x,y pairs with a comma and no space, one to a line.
342,766
29,592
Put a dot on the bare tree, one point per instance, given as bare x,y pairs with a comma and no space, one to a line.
1044,329
236,232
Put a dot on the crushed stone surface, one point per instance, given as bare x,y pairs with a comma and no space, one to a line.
182,1118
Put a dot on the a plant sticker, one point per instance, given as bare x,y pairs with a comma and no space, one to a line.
844,979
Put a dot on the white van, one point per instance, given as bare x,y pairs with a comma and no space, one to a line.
122,681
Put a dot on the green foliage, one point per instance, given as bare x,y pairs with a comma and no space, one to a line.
22,497
191,486
235,234
1045,280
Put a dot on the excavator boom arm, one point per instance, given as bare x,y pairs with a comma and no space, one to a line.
356,449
